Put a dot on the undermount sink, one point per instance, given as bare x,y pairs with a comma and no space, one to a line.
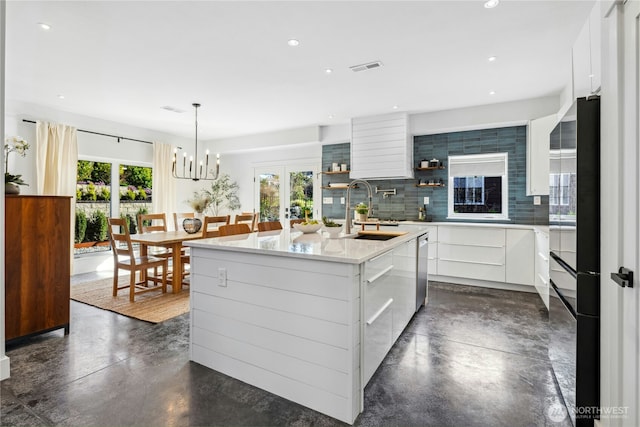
375,236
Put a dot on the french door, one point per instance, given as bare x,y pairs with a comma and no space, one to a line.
285,192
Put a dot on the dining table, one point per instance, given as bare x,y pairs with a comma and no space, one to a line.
167,239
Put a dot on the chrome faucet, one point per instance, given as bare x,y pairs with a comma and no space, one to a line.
347,216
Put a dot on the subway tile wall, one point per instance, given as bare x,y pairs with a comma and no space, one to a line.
409,198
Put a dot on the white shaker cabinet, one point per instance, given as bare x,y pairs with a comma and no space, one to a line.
538,154
520,254
472,252
586,57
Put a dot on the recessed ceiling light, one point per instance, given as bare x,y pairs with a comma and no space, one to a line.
492,58
61,96
395,107
44,26
293,42
330,116
328,70
490,4
493,92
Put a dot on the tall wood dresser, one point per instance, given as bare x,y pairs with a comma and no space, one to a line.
37,264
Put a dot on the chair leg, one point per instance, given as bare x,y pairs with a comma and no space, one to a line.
115,283
132,286
164,277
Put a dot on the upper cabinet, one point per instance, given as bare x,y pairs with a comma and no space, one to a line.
586,57
381,147
538,154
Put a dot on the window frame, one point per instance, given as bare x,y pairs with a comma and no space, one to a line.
479,158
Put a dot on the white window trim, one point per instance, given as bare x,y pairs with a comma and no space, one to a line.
470,158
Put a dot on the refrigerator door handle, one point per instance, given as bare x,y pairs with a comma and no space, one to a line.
624,277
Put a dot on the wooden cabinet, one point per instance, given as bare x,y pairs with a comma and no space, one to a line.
37,264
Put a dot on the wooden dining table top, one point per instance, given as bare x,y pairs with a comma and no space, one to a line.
164,237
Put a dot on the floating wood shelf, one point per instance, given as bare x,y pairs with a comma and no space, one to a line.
334,173
337,188
429,168
430,185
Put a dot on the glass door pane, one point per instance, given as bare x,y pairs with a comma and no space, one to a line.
301,194
269,196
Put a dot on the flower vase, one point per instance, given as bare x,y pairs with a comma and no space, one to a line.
11,188
361,217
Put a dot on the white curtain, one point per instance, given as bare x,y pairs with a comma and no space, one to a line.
164,186
57,164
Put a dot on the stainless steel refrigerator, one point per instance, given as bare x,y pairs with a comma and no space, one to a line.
574,243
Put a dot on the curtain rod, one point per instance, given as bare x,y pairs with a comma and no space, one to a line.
101,134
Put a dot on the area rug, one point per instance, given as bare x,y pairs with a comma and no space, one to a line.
153,307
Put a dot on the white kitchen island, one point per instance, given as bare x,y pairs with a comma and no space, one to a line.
300,315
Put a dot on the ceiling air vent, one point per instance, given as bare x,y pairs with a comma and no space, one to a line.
173,109
368,66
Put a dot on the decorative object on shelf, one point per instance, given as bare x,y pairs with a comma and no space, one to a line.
424,163
192,225
434,163
20,146
197,174
362,211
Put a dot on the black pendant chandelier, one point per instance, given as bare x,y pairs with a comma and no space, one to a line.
198,169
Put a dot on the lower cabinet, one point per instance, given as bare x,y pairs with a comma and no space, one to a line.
37,264
389,302
520,249
542,264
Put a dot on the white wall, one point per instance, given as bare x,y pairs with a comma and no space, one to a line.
4,360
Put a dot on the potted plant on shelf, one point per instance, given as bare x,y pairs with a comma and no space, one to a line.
362,211
19,146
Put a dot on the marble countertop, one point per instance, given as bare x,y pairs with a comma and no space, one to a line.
292,243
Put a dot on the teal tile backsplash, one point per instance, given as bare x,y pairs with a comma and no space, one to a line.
405,204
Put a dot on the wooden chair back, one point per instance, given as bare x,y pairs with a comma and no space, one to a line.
269,225
125,258
148,223
216,221
295,221
178,217
231,229
120,239
248,218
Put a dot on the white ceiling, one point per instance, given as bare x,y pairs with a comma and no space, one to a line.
122,61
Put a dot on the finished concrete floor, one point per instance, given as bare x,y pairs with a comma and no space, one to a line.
472,357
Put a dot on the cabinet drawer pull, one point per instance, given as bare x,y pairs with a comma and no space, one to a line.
472,262
379,312
382,273
379,256
541,255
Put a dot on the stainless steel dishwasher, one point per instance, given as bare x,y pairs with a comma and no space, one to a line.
422,247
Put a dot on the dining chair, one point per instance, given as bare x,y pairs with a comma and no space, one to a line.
269,225
296,221
231,229
248,218
124,258
215,221
148,223
179,217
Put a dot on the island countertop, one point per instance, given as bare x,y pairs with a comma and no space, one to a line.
293,243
